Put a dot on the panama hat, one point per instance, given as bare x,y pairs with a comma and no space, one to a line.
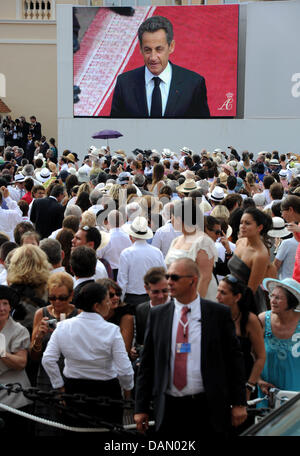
138,228
290,284
217,194
279,229
186,150
124,178
283,173
187,186
19,178
43,175
274,162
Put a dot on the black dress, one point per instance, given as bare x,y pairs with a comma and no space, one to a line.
242,272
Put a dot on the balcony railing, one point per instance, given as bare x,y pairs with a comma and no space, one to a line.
39,10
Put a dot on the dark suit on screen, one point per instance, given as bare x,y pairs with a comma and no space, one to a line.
187,96
222,364
47,214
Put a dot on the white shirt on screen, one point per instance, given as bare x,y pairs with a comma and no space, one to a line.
166,77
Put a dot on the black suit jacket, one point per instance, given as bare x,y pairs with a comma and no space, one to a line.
29,151
141,315
222,364
47,214
187,95
43,148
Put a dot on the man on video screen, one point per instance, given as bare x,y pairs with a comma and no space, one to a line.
160,88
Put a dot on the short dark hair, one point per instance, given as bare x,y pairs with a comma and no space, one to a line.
231,182
276,191
268,181
92,235
72,222
83,261
155,23
57,190
89,295
154,275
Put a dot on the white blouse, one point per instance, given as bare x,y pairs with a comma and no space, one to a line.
93,349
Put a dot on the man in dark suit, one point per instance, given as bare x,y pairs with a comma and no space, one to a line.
47,214
191,366
29,148
35,128
160,88
44,146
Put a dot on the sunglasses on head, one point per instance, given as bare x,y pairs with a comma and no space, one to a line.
176,277
85,228
231,278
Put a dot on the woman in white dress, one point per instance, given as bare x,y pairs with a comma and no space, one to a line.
194,244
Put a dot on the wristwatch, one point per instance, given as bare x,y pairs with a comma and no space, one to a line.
250,387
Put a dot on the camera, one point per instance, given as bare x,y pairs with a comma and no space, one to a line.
52,323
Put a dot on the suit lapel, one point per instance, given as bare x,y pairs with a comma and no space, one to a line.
167,323
139,91
175,92
205,331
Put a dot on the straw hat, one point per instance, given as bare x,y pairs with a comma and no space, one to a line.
71,158
187,186
223,178
279,229
289,284
228,168
138,228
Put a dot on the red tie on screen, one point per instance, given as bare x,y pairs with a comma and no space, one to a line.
180,364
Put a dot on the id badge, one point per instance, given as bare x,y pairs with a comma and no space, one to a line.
183,348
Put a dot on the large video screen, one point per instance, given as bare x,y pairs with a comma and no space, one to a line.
113,73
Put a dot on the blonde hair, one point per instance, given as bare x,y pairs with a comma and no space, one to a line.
61,279
88,218
220,211
29,265
85,187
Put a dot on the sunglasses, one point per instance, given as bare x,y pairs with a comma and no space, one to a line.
58,298
176,277
231,278
111,295
218,232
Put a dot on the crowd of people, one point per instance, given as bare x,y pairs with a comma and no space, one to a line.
105,259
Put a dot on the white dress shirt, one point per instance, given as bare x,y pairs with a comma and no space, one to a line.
10,217
164,236
93,349
194,377
101,272
119,240
166,77
135,261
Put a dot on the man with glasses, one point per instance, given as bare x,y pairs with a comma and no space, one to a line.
192,361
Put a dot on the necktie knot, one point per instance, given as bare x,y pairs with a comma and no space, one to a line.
184,311
157,81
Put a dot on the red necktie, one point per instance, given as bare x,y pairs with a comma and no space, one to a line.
180,364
